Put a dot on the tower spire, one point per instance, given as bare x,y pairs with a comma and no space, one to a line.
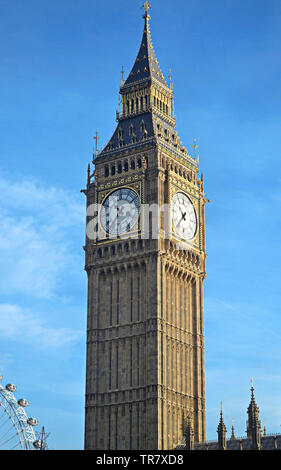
146,66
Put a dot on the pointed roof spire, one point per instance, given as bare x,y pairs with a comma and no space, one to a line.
253,423
232,431
221,431
253,408
146,66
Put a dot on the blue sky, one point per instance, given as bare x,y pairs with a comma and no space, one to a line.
60,71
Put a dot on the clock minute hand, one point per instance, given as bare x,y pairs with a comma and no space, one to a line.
115,218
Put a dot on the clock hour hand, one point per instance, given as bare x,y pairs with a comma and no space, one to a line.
182,217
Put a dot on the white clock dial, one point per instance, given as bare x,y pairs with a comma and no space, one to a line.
184,216
120,211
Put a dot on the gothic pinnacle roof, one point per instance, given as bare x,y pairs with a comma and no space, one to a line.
146,113
221,426
252,441
253,409
146,65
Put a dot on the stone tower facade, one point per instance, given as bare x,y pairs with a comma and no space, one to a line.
145,336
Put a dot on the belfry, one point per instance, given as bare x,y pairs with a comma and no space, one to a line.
145,336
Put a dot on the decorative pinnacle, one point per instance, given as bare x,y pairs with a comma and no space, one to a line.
170,80
195,146
122,75
96,138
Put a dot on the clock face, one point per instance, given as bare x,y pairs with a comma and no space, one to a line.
184,216
120,211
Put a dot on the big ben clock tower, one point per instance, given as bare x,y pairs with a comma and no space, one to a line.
145,338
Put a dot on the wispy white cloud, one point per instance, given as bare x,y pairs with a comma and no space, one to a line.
35,242
21,325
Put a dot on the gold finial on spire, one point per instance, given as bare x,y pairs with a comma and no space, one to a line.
252,382
146,8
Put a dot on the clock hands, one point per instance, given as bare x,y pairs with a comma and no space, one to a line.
125,212
183,215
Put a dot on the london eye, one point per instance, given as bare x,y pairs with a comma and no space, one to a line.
16,428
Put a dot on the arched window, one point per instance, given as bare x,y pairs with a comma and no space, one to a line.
113,170
133,165
139,163
119,169
126,166
106,171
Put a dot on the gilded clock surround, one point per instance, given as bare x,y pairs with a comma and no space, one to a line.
137,188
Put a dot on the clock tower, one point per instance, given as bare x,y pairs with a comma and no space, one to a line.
145,261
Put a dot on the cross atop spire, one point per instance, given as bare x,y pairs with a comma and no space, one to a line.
146,8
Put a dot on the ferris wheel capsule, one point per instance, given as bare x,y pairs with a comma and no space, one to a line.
39,444
11,387
10,406
23,402
32,422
